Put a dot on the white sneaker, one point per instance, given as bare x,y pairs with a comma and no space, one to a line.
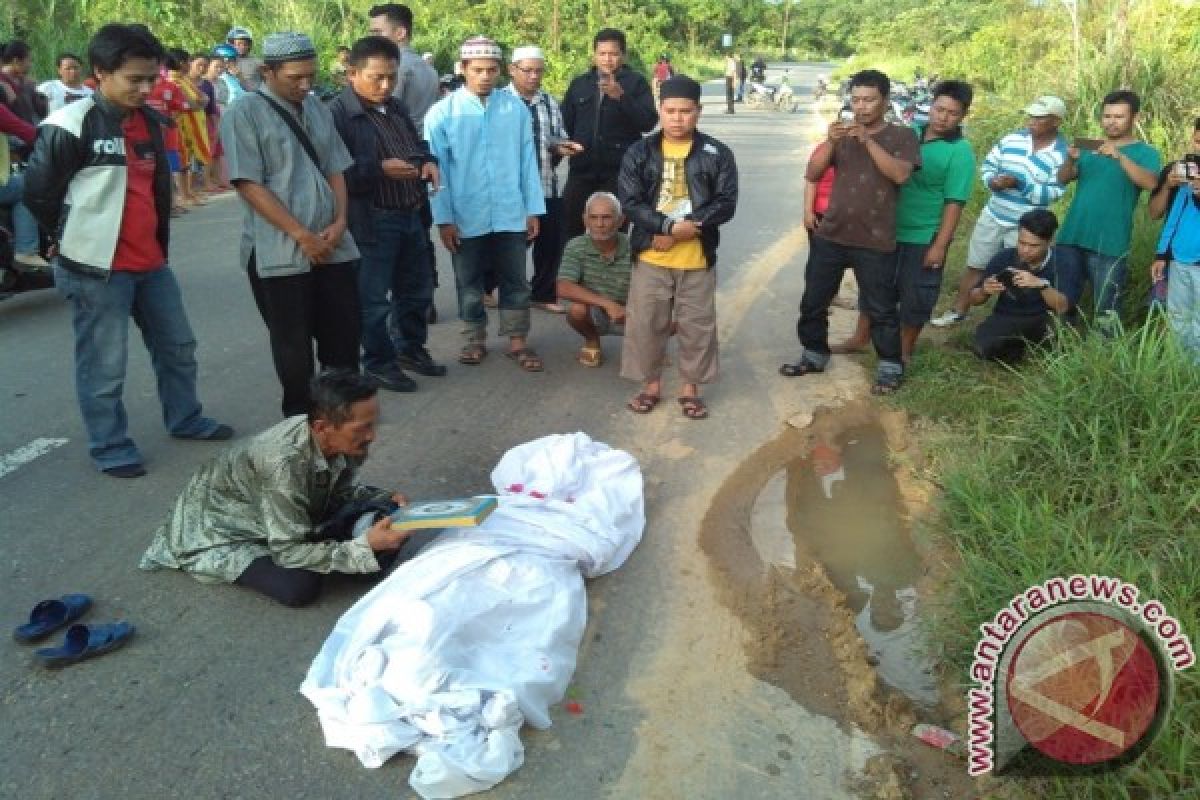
31,261
951,317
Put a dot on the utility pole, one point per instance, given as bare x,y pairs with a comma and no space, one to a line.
787,13
555,31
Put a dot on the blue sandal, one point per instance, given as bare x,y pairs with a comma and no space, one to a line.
84,642
50,615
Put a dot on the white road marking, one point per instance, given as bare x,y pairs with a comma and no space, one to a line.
18,458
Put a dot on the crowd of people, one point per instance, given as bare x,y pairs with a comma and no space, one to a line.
341,195
885,199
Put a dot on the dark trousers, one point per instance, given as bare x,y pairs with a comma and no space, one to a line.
878,298
574,201
321,306
294,586
394,285
427,223
547,252
730,92
1007,337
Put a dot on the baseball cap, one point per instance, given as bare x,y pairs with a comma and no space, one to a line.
1047,106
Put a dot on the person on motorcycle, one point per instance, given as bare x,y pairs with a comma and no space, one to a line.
821,88
758,70
249,68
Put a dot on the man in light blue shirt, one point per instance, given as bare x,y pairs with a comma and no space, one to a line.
490,199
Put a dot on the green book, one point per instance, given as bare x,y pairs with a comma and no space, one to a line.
465,512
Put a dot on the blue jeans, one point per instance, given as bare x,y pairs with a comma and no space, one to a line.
396,262
1183,305
100,313
1105,273
25,227
504,255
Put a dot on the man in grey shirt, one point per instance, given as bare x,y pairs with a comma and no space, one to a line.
286,160
417,81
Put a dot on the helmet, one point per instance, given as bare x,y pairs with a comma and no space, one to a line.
238,32
225,51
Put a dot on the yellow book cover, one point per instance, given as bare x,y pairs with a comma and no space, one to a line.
466,512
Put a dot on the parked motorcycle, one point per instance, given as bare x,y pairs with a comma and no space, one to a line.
15,278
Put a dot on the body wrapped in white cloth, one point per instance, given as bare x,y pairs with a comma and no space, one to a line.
479,632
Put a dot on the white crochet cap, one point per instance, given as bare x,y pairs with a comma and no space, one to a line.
528,51
480,47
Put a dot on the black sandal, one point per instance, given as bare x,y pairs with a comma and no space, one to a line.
798,369
885,385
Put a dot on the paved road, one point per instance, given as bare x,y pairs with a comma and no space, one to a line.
203,704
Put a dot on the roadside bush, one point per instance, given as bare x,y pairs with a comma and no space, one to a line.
1085,460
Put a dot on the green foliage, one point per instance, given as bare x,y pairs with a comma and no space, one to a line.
1083,461
689,30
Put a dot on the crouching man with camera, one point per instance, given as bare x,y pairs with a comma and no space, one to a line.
1033,287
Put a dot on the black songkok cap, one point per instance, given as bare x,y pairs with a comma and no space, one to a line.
680,86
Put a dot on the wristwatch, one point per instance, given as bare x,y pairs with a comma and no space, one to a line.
1045,285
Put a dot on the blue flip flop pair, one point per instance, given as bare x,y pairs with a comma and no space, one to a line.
82,641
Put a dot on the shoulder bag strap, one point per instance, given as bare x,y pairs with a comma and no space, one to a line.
290,119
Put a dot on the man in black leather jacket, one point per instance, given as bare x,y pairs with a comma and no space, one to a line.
606,109
677,187
99,181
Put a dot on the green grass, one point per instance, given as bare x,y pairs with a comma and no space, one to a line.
1085,459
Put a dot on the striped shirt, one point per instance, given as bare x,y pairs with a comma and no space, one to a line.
397,139
548,133
1036,172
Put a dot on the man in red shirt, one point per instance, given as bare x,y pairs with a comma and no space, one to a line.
107,152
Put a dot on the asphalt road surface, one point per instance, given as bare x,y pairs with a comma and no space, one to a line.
204,703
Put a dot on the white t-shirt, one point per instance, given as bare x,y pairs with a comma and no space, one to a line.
59,94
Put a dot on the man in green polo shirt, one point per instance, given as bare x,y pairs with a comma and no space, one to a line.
594,276
927,214
1096,234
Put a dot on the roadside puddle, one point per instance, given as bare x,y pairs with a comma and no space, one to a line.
809,545
841,503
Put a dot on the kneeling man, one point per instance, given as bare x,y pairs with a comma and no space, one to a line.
1033,286
594,276
253,516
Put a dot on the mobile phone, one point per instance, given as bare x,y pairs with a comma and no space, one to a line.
846,117
1006,277
1191,163
1088,144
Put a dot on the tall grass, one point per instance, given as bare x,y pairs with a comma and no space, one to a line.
1086,459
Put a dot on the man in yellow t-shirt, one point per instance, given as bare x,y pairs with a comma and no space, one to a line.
677,187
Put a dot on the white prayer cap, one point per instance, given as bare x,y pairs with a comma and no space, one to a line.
528,51
479,47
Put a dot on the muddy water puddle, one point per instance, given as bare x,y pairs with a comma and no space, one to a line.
842,505
808,542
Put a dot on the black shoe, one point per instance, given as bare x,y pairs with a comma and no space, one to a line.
221,433
419,361
125,471
393,379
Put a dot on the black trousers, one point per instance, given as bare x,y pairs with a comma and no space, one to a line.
574,201
730,93
1007,337
547,252
295,587
319,306
878,295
